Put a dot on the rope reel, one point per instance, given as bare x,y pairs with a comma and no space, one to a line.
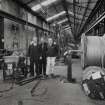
93,63
93,51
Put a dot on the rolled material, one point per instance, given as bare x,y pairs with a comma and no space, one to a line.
93,82
92,47
87,73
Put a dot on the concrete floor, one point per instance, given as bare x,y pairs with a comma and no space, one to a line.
49,92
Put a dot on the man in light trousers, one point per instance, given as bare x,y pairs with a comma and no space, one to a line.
52,53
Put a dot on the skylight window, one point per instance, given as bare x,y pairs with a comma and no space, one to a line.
62,21
45,3
55,16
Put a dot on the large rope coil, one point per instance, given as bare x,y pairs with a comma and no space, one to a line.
93,51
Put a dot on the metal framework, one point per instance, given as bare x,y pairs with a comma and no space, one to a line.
76,20
84,15
64,4
98,4
71,22
27,8
29,1
74,15
78,5
75,7
21,21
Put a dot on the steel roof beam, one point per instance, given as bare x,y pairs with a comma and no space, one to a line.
67,24
20,21
70,21
29,1
68,7
74,15
98,4
27,8
64,4
78,5
80,26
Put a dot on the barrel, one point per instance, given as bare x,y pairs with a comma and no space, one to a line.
93,51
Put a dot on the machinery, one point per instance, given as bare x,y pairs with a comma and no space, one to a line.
92,54
93,64
14,67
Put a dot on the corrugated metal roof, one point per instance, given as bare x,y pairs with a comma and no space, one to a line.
78,11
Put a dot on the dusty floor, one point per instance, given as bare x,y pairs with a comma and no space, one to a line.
50,91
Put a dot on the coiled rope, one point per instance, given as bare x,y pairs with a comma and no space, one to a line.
93,51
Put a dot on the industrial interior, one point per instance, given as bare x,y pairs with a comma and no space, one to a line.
77,27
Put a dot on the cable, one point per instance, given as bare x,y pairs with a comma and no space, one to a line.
35,86
33,91
6,90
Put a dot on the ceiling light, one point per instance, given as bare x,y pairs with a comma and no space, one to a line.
62,21
66,26
55,16
37,7
53,24
70,12
45,3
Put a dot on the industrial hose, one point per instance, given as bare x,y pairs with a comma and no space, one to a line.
6,90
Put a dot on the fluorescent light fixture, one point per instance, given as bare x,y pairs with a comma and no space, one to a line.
68,29
37,7
62,21
54,24
45,3
70,12
66,26
55,16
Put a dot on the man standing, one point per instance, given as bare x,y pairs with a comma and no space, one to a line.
52,53
33,53
43,51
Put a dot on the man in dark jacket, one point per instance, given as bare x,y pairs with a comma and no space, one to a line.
43,51
33,53
52,53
